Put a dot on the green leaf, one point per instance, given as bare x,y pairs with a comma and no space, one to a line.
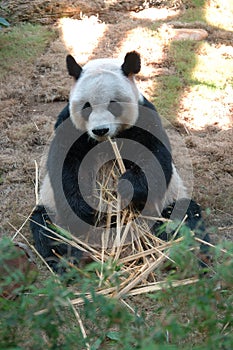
3,22
96,344
113,335
60,231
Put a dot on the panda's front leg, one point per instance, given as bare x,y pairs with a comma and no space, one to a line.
75,213
46,244
133,187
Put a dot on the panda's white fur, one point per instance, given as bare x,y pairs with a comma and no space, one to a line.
46,197
176,189
104,78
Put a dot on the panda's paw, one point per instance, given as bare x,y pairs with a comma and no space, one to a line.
132,189
125,189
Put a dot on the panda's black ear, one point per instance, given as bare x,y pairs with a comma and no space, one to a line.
73,67
132,63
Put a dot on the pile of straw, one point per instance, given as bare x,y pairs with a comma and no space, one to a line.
131,246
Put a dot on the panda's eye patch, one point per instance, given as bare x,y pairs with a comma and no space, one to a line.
86,110
115,108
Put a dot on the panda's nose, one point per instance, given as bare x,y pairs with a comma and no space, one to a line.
100,132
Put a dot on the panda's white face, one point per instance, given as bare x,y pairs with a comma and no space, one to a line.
103,100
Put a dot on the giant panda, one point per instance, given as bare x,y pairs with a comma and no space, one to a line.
106,103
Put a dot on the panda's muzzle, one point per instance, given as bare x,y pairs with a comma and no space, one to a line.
100,131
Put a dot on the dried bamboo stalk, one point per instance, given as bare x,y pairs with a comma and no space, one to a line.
117,155
142,275
154,287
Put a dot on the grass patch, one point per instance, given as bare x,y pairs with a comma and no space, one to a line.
170,88
216,13
21,45
199,67
213,67
194,11
167,99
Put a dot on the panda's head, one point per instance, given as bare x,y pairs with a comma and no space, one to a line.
104,98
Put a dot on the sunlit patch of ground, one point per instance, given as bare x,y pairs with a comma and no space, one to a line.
201,107
219,13
151,49
156,14
209,101
81,36
214,65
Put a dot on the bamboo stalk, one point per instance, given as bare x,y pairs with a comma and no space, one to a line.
81,326
125,233
117,155
142,275
154,287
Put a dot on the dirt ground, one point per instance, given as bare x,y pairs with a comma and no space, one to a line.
32,98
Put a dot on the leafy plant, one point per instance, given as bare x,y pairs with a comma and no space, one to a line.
197,316
21,44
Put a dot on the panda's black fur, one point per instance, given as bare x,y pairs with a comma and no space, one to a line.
147,131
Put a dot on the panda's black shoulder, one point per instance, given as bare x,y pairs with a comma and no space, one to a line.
146,103
63,115
150,127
